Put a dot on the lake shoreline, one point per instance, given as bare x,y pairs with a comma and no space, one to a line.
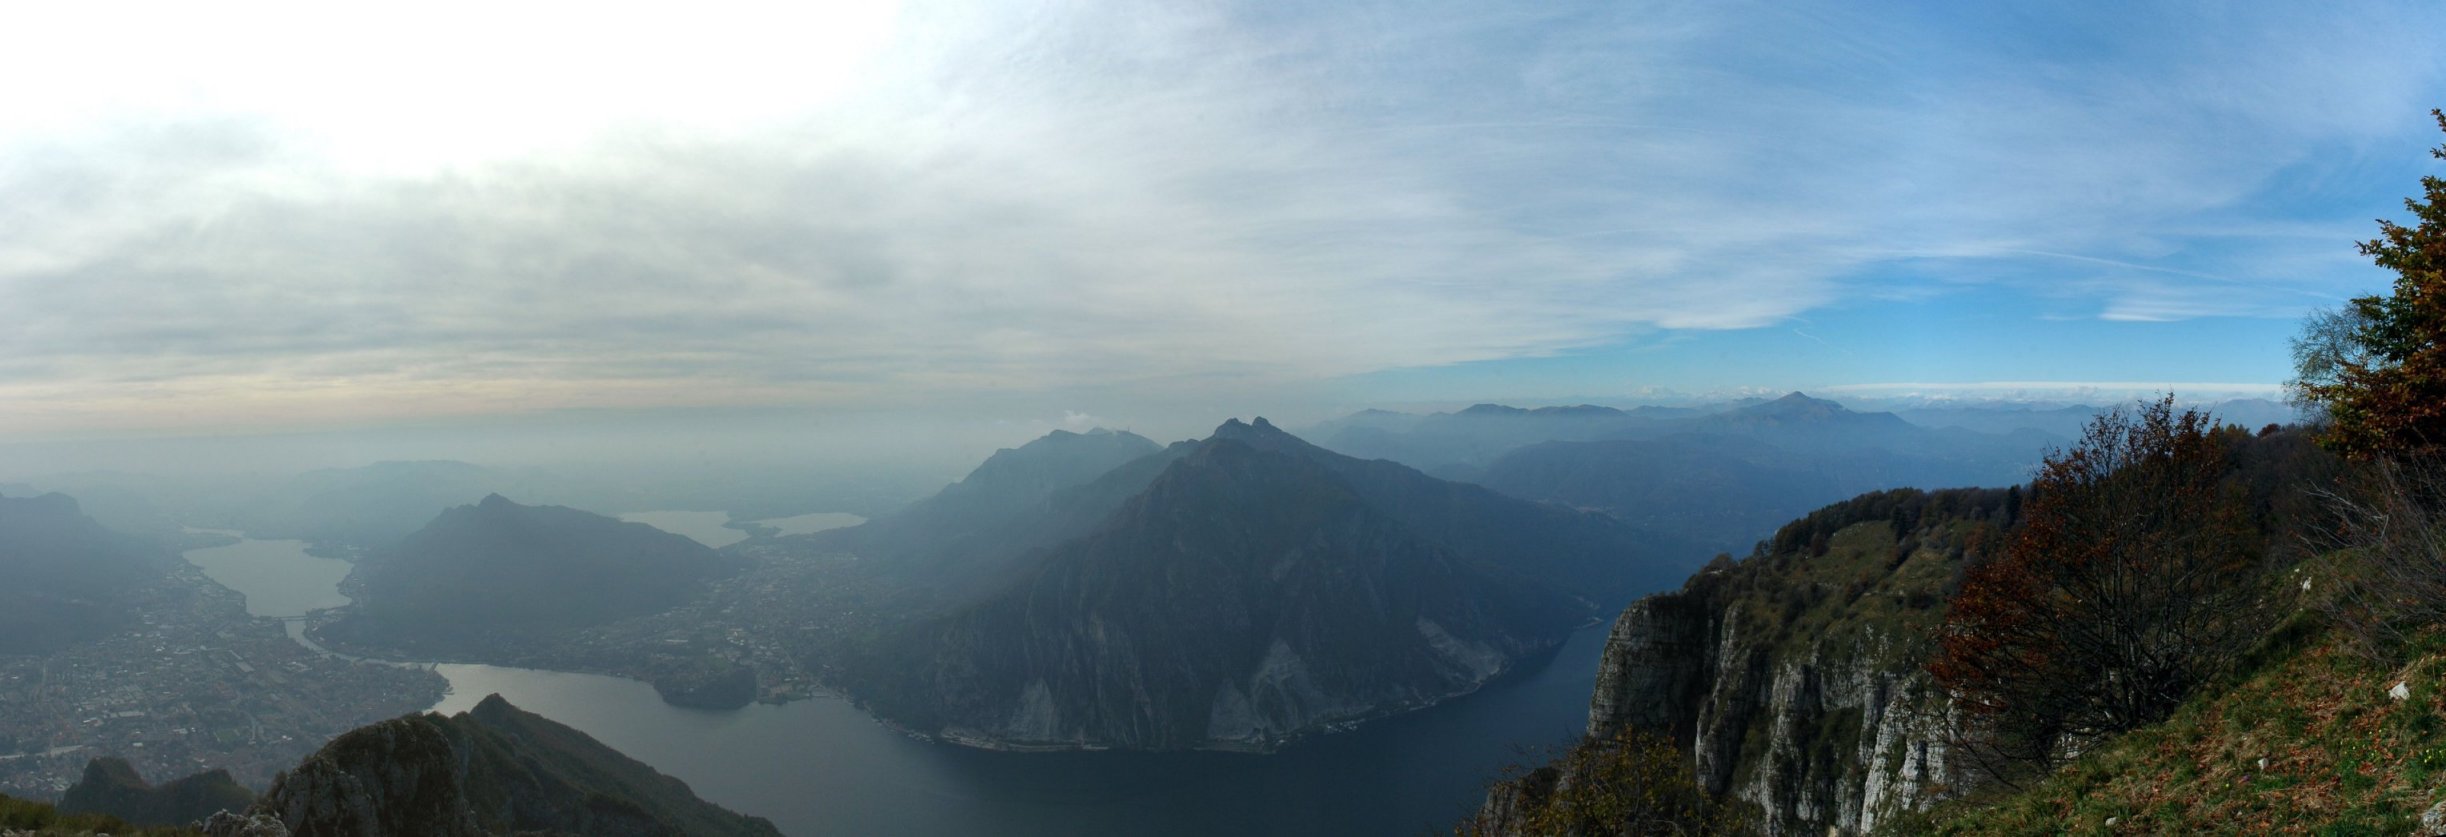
814,765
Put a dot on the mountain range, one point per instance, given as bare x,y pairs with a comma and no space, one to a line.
1238,592
1723,476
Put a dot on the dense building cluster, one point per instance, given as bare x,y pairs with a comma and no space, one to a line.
196,684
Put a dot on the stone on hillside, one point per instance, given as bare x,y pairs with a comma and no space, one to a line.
226,824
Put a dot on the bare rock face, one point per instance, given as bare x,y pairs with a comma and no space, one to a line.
1510,806
1655,660
1794,679
226,824
398,777
2433,822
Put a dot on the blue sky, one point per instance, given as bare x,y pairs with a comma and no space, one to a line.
1081,209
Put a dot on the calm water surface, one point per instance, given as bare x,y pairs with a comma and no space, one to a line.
822,767
278,577
707,528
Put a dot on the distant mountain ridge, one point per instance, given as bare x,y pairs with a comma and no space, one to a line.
1256,589
63,577
1723,475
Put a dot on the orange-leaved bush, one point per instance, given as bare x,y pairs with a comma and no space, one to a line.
2376,369
2132,579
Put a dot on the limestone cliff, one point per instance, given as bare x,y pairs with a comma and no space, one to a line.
1793,679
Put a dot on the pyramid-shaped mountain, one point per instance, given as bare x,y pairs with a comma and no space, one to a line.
1258,589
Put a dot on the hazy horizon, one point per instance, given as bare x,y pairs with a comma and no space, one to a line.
881,223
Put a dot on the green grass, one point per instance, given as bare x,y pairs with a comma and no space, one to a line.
36,817
2341,757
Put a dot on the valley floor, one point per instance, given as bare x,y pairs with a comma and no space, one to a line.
196,684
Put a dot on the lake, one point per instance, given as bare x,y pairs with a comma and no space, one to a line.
708,528
277,577
822,767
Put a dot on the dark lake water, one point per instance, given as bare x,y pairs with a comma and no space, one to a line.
822,767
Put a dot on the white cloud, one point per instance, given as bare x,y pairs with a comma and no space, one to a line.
614,208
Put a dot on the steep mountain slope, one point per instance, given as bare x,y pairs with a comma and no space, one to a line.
492,770
478,573
1793,678
112,787
1019,499
63,578
2317,741
1258,589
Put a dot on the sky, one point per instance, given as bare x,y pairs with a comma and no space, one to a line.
271,217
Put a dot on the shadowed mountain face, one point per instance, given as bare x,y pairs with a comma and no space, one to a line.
63,578
1020,499
495,769
112,787
498,567
1256,589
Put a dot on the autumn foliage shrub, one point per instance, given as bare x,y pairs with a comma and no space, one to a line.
2376,368
2134,577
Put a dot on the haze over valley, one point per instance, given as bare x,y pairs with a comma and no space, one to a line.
945,417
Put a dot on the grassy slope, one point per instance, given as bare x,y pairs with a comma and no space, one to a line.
2341,756
19,815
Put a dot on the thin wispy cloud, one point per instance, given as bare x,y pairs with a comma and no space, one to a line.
949,199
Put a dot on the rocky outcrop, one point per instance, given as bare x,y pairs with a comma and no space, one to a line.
227,824
1793,680
398,777
489,771
1654,661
